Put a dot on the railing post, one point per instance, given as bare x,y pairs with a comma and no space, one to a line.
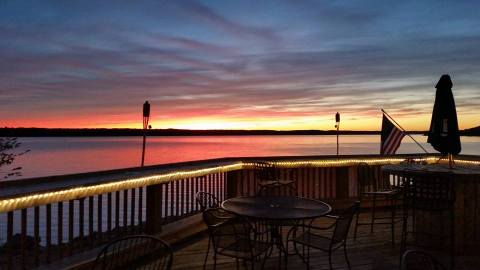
154,204
231,184
341,182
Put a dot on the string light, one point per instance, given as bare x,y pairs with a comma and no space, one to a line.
25,201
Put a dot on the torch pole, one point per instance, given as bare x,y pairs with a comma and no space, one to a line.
337,125
146,116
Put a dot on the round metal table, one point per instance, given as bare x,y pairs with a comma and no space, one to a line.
276,208
277,212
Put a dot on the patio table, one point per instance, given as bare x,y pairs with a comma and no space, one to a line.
277,211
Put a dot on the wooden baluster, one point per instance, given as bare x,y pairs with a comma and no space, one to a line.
23,236
217,187
71,215
187,196
132,210
182,197
154,209
311,180
224,187
99,218
240,183
209,183
204,182
117,212
140,208
36,234
165,188
60,229
109,215
177,197
125,211
81,213
90,220
9,240
160,201
49,232
172,205
197,189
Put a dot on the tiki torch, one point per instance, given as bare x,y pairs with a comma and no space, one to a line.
146,116
337,126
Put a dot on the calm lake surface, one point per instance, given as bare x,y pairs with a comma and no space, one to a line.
65,155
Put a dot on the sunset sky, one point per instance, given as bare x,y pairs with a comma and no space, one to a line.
235,64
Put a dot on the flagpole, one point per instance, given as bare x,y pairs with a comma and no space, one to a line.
404,131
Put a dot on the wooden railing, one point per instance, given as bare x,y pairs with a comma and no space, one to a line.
45,219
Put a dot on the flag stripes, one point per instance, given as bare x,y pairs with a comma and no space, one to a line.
391,137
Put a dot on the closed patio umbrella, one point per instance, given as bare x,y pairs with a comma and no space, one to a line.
443,135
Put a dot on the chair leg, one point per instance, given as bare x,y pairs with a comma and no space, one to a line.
330,259
393,202
302,255
452,237
373,212
214,261
264,260
346,256
403,242
208,251
356,227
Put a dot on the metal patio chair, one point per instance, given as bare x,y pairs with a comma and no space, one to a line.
269,183
311,236
206,200
209,201
135,252
373,189
432,194
234,238
419,260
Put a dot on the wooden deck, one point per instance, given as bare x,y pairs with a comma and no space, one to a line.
369,251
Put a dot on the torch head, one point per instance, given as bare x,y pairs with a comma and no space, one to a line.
146,109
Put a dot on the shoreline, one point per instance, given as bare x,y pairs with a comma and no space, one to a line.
126,132
122,132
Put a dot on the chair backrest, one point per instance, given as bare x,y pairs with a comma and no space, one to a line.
264,171
344,220
368,180
135,252
225,231
419,260
429,191
206,200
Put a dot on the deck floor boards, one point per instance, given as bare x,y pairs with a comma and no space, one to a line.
368,251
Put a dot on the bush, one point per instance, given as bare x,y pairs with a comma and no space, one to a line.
8,145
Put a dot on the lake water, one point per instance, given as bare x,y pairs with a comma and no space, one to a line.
65,155
61,155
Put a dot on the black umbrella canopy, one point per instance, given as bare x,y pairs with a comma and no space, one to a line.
443,134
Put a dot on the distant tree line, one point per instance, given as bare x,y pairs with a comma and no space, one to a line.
81,132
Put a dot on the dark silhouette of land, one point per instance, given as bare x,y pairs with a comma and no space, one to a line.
471,131
99,132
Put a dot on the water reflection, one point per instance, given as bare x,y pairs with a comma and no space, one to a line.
55,156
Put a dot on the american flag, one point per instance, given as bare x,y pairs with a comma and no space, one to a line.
391,137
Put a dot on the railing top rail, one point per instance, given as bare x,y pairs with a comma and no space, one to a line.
25,186
18,194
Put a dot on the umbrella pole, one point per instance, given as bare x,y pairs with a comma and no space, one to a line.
451,161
